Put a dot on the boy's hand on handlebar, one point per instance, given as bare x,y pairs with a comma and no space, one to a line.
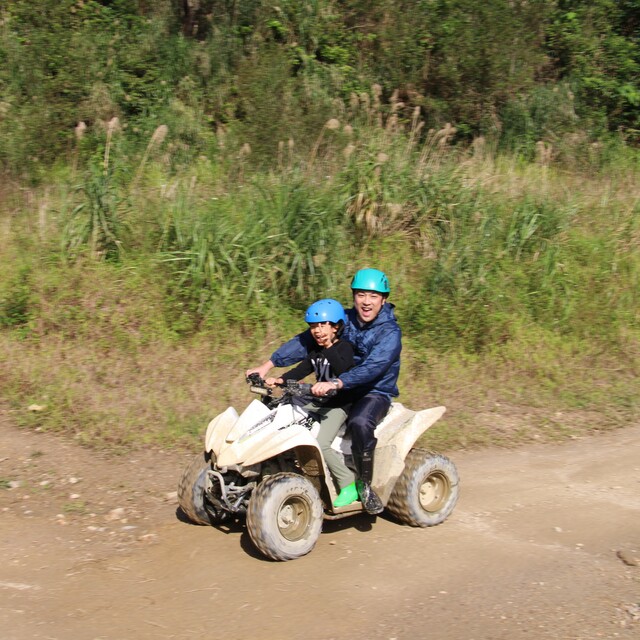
273,382
262,370
254,378
323,389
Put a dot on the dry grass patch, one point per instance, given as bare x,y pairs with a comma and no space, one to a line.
158,393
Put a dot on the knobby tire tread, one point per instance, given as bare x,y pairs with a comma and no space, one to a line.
399,501
186,487
257,531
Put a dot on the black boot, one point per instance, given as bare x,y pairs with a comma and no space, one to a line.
370,500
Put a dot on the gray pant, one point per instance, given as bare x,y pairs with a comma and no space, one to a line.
331,419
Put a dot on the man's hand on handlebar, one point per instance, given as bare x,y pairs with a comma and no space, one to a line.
323,389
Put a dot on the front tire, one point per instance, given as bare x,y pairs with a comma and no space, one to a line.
284,518
427,491
191,489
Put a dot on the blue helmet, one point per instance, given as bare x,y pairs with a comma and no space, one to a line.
326,310
370,280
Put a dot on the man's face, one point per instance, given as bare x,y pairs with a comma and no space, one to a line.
367,304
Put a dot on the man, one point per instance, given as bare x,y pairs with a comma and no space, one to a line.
372,328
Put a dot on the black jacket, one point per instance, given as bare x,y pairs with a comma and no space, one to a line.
326,363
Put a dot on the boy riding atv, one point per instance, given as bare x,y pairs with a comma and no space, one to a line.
267,463
328,358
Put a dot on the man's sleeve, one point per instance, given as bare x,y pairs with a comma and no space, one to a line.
293,351
384,353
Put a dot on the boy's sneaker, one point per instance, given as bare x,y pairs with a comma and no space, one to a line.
347,495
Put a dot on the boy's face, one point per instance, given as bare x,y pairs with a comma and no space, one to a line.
368,304
324,333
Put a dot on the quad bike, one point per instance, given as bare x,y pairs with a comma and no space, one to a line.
267,466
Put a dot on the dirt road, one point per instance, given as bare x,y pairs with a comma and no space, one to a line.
544,543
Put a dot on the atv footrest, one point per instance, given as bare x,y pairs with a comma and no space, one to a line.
343,512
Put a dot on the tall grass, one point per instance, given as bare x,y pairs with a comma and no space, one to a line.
515,282
273,240
485,244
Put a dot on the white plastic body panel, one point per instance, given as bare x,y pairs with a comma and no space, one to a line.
259,434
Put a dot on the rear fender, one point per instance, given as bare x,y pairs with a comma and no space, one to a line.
402,434
394,443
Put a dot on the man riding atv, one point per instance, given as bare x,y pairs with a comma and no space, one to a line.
372,329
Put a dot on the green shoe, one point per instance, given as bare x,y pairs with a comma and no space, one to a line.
347,495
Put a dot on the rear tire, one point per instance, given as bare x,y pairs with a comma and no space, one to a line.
284,518
427,491
191,489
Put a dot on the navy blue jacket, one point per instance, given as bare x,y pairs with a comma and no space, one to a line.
377,346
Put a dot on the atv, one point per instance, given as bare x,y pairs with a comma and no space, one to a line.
266,465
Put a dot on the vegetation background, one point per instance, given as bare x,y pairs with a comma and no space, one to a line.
181,178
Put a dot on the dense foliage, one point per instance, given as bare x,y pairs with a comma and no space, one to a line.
518,71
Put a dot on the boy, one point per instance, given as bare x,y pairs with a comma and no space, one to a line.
328,358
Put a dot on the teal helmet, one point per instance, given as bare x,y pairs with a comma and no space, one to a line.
326,310
370,280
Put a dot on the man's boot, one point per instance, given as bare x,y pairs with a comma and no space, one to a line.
370,500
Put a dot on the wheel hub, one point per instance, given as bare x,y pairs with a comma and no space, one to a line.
287,516
293,518
433,492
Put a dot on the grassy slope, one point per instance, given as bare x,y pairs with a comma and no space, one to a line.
118,354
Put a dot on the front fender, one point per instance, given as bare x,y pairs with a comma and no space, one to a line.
218,429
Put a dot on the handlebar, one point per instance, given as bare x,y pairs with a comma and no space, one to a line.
257,385
290,388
